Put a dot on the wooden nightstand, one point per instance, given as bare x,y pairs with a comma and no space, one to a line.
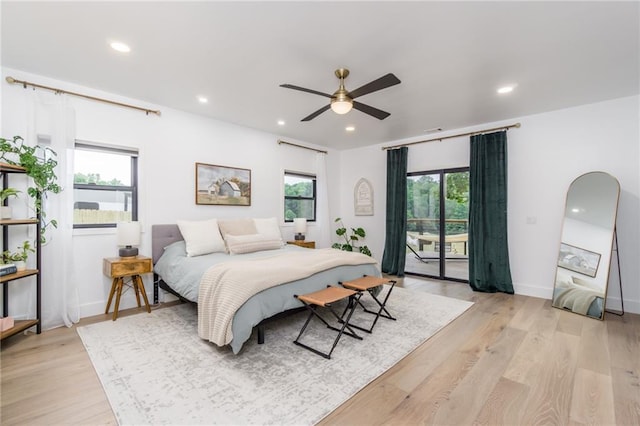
119,268
303,243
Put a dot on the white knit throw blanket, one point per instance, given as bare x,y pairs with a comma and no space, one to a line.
225,287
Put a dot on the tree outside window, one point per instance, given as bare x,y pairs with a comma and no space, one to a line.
299,196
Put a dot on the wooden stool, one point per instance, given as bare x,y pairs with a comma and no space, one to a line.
323,299
368,284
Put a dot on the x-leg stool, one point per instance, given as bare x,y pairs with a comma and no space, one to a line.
324,299
368,283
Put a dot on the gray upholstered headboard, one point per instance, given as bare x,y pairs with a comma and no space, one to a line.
162,236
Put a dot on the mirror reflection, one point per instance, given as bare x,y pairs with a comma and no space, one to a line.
582,272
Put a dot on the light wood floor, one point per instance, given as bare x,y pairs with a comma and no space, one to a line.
510,360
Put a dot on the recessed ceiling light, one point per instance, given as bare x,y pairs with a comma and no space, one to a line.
280,122
202,99
506,89
120,47
350,128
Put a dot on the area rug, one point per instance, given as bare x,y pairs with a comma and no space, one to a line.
156,370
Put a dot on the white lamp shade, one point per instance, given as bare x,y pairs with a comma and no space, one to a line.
128,234
300,225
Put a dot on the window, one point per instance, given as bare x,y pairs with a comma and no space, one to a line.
299,196
105,185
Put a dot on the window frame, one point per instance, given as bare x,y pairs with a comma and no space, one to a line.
133,188
313,198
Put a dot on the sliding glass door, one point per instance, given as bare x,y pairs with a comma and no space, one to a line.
437,224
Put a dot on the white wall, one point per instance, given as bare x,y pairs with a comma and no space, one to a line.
169,147
544,156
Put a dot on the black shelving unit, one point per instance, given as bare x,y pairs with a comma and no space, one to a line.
20,325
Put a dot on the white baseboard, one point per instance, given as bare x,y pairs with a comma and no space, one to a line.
631,306
533,291
128,300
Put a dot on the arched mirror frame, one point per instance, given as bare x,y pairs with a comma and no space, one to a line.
583,266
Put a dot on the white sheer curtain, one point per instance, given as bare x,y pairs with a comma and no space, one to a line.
323,222
52,123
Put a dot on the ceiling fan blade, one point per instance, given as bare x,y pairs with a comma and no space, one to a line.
317,113
379,84
302,89
375,112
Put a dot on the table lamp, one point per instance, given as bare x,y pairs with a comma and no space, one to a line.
300,225
128,237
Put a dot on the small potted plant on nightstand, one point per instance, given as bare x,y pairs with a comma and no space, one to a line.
20,256
5,211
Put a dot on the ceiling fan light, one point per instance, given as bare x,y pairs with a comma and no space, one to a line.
341,107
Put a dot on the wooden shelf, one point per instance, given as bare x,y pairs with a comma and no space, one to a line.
19,274
20,325
18,221
10,168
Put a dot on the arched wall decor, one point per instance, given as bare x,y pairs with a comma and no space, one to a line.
363,198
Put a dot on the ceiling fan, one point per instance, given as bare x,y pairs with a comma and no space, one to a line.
342,100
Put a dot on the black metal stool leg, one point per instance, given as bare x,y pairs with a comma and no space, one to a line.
342,330
382,311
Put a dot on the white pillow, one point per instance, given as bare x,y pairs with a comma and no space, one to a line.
268,227
238,244
236,227
201,237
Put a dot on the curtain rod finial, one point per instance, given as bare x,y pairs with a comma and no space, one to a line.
10,80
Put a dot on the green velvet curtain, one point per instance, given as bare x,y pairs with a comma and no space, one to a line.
488,249
394,255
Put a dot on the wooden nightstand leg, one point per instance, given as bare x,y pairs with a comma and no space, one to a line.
113,289
144,292
136,289
118,294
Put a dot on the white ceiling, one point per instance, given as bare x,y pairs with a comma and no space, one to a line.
450,56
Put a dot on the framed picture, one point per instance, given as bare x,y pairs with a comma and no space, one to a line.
222,186
363,198
578,260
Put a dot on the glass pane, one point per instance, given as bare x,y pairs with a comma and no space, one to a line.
98,207
298,185
101,168
423,224
456,224
299,208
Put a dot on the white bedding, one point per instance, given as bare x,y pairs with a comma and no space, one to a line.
225,287
183,274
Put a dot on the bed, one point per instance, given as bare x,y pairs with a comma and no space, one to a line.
182,275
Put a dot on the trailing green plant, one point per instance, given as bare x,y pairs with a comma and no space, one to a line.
20,255
6,193
39,164
351,239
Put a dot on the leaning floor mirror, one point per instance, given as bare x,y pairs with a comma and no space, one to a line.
584,258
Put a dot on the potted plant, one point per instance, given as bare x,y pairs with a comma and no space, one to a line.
5,211
39,164
351,239
20,256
